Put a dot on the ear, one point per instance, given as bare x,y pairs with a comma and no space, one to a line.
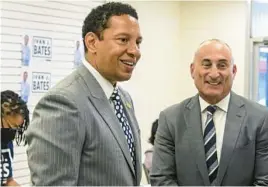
91,41
234,70
192,69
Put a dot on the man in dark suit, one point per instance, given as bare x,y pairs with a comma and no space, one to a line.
84,131
215,137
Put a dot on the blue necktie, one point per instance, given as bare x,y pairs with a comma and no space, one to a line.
210,145
120,114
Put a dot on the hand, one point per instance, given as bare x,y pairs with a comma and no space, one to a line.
11,182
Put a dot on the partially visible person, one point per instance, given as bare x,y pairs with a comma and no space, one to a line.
84,131
77,55
25,87
14,121
216,137
26,52
149,152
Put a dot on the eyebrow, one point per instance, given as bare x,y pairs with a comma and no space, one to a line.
208,60
128,35
223,60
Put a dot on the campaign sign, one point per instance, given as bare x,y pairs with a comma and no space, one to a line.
42,47
41,82
6,160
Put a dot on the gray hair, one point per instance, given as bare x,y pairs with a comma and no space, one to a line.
214,40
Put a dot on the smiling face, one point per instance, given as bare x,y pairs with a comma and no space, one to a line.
213,71
115,54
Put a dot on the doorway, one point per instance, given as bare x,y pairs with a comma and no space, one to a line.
259,86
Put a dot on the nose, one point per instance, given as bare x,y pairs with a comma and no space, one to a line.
134,51
214,73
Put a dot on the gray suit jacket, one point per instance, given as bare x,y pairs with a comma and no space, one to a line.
179,156
76,139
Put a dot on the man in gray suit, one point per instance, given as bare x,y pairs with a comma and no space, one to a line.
84,131
215,137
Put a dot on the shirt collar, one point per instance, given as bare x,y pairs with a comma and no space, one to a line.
107,87
223,104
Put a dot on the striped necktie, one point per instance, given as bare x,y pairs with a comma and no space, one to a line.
210,145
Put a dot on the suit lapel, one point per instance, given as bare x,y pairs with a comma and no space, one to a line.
194,126
234,119
135,128
102,105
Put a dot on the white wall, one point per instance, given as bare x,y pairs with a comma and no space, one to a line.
225,20
155,83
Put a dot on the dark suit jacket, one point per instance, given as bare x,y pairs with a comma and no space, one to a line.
179,156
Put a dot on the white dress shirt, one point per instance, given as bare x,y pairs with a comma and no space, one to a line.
106,86
219,119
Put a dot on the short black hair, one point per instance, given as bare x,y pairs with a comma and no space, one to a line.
97,20
12,103
153,132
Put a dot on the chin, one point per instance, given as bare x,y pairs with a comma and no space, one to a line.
123,78
211,94
126,76
213,91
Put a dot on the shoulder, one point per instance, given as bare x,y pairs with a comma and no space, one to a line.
68,82
180,107
251,107
127,97
124,93
58,98
70,87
